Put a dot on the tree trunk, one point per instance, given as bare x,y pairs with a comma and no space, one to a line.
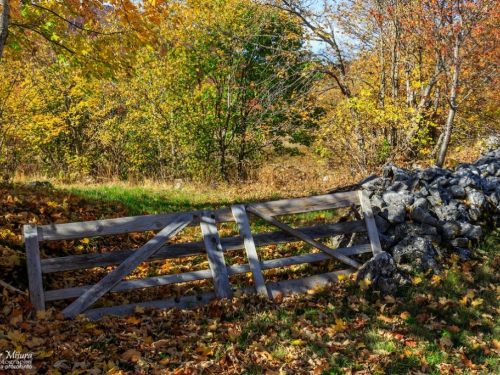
452,104
447,136
425,100
4,25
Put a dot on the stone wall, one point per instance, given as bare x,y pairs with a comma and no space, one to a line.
422,214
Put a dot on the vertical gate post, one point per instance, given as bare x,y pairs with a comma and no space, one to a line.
215,255
30,236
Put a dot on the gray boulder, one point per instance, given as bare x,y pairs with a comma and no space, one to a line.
419,251
475,213
450,229
416,230
476,198
383,274
460,242
376,185
423,216
382,224
445,213
392,197
394,213
464,254
472,232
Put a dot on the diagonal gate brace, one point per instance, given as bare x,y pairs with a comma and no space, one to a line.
127,266
305,238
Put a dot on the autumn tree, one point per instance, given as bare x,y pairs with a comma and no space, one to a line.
229,89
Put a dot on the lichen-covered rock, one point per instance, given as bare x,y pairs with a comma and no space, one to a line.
392,197
416,230
476,198
422,203
377,201
463,253
382,224
445,213
472,232
450,229
377,185
394,213
475,213
423,216
383,274
460,242
419,251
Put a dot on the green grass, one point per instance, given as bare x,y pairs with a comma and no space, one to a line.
140,201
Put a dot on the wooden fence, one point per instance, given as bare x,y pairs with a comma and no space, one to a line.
214,247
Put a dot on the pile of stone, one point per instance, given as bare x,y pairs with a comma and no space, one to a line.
422,213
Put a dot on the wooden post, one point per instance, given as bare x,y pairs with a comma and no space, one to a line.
305,238
30,234
371,227
215,255
241,218
113,278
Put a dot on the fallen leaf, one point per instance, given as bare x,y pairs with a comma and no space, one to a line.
405,315
421,318
477,302
16,336
453,328
389,299
417,280
385,318
364,284
412,343
16,321
298,342
133,320
279,296
131,355
205,351
139,310
44,353
445,341
496,344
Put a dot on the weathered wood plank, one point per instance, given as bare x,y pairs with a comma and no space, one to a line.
287,287
300,286
75,262
215,255
181,303
370,222
30,235
116,226
305,238
307,204
127,285
113,278
156,222
315,257
240,216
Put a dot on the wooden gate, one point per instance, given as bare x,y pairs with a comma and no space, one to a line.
214,247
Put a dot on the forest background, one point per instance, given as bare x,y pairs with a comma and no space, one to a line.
216,89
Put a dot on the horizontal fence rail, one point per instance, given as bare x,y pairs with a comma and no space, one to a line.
212,246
